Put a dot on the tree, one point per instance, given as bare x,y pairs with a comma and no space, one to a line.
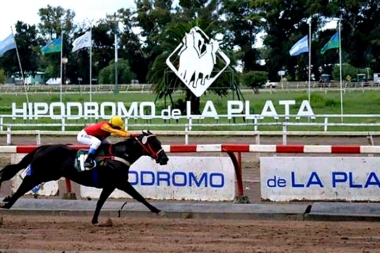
28,44
3,77
131,46
124,74
56,21
243,24
103,47
254,79
285,22
360,32
152,17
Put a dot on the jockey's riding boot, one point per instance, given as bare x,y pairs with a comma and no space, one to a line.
89,163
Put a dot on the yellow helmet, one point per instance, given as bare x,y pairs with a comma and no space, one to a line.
117,121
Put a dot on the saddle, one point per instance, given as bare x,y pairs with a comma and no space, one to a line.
100,156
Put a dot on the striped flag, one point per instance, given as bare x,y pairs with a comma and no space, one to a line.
300,47
7,44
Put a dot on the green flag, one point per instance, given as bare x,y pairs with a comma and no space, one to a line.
52,47
333,43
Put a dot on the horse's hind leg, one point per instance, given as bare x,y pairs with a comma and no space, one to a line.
128,188
27,184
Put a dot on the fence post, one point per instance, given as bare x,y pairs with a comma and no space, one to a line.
126,123
63,124
258,138
370,142
9,141
284,129
326,123
1,123
187,129
186,135
38,137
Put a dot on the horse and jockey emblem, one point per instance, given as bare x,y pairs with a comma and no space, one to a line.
197,57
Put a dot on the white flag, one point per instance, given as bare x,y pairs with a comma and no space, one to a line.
82,41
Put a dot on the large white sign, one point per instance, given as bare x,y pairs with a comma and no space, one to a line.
320,178
183,178
197,56
147,110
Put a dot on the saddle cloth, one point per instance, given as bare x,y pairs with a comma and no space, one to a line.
81,157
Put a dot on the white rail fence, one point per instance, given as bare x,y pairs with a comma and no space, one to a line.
10,125
252,136
7,122
76,89
147,88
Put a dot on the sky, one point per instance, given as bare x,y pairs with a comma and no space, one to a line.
27,10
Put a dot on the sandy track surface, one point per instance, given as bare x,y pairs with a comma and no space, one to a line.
76,234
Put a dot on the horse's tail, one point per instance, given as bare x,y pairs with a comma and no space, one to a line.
11,170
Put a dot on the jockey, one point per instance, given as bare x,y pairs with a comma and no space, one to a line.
96,134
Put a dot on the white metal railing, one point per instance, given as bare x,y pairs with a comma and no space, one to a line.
249,134
8,123
76,89
147,88
279,120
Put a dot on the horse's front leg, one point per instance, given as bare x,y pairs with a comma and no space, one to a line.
129,189
106,192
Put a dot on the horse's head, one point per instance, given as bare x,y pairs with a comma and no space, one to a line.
152,147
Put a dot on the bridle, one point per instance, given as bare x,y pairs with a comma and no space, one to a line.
144,143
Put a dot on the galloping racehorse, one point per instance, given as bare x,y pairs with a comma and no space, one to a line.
51,162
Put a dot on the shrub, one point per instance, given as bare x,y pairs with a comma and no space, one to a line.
254,79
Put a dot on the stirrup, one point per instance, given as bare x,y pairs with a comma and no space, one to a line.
90,167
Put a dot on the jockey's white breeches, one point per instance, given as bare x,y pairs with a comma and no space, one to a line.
90,140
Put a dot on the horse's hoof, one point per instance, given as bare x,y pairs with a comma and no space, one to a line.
108,223
161,213
3,205
6,199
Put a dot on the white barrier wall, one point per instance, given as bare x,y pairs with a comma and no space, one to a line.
48,189
183,178
320,178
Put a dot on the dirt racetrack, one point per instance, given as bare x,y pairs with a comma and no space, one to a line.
159,234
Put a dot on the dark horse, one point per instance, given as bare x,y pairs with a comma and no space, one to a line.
51,162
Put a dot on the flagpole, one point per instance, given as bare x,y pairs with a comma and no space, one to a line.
309,57
91,64
60,87
340,72
22,72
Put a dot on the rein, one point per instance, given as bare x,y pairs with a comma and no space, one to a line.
146,147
